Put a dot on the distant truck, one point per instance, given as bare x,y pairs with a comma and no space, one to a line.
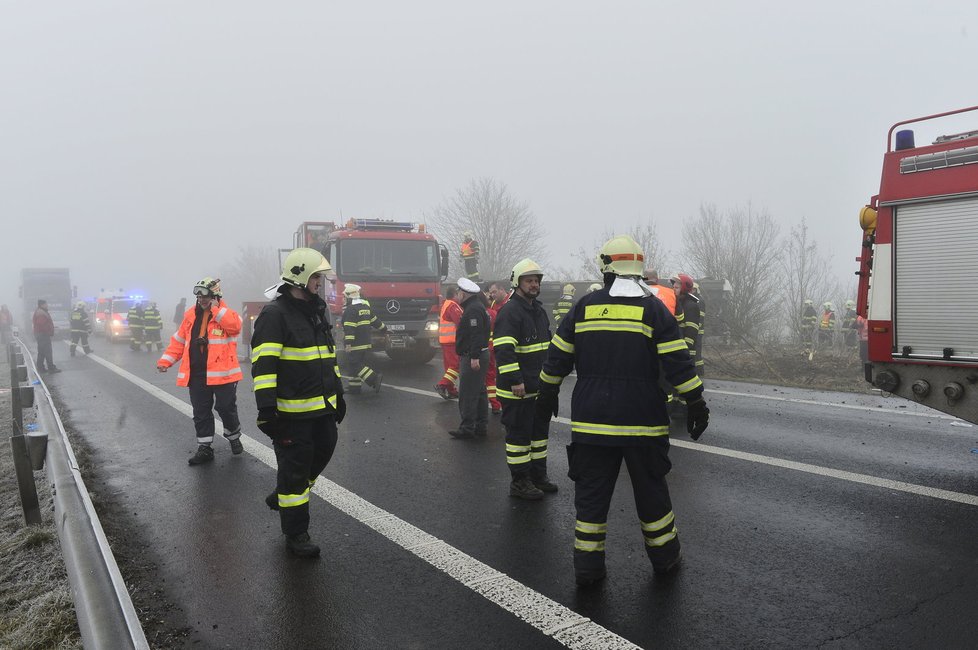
399,266
52,285
917,271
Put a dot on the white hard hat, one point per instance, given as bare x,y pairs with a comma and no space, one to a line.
352,289
468,286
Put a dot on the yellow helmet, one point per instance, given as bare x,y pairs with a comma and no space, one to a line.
208,287
352,290
524,267
622,256
301,264
80,304
569,289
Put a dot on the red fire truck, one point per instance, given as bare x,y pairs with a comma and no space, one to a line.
399,267
918,268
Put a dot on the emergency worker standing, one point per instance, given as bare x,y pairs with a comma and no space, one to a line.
205,346
81,327
470,256
152,328
826,324
596,286
472,347
43,328
135,318
498,296
298,390
809,321
665,294
849,325
520,339
448,319
564,303
358,320
691,324
617,339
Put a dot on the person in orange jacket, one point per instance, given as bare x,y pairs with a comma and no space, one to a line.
448,319
205,346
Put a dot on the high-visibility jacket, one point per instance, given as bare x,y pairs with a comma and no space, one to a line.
358,318
152,320
448,319
293,359
222,329
666,295
520,338
827,321
617,346
564,304
135,318
80,323
470,249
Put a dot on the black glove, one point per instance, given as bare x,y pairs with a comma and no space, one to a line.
268,421
547,403
697,417
340,409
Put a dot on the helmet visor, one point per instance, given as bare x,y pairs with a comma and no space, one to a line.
202,291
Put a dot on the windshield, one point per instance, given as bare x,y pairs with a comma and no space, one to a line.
371,258
121,306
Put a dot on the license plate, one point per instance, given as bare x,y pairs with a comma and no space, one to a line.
396,327
398,342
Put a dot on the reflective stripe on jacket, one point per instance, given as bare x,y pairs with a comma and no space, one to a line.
152,320
79,322
520,338
617,346
222,348
293,359
358,318
448,319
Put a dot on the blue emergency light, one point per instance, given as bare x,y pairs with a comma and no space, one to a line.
904,140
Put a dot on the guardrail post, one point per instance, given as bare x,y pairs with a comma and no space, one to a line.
18,443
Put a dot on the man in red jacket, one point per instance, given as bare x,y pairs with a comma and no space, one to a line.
43,332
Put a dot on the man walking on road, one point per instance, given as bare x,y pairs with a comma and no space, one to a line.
358,321
81,327
43,333
472,347
617,338
152,328
520,339
204,344
298,390
448,318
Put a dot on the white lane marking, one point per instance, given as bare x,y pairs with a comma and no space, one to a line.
901,486
856,407
562,624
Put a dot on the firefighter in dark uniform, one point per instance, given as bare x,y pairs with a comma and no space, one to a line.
135,318
298,390
81,327
691,324
520,340
617,338
564,303
358,320
470,257
152,327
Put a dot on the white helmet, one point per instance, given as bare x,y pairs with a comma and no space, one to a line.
352,290
301,264
594,287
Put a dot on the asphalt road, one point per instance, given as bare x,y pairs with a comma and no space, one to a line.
807,519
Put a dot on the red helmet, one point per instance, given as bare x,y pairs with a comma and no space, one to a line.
684,282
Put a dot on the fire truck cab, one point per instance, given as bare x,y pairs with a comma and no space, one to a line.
399,267
918,269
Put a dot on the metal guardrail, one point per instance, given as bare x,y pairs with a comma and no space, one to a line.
105,613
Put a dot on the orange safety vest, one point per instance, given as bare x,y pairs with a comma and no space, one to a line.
468,250
828,320
446,326
222,348
666,295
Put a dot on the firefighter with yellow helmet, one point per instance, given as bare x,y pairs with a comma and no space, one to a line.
520,339
617,338
81,327
564,303
358,320
297,390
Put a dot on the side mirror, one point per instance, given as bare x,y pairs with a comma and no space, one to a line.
443,267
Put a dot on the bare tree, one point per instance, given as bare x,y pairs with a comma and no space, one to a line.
255,269
805,275
741,247
585,261
503,225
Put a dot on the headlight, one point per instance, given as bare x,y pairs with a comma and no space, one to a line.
431,326
116,322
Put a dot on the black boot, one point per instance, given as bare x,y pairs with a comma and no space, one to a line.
301,546
543,483
522,488
204,455
272,501
589,577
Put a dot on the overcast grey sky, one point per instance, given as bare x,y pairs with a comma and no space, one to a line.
141,143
